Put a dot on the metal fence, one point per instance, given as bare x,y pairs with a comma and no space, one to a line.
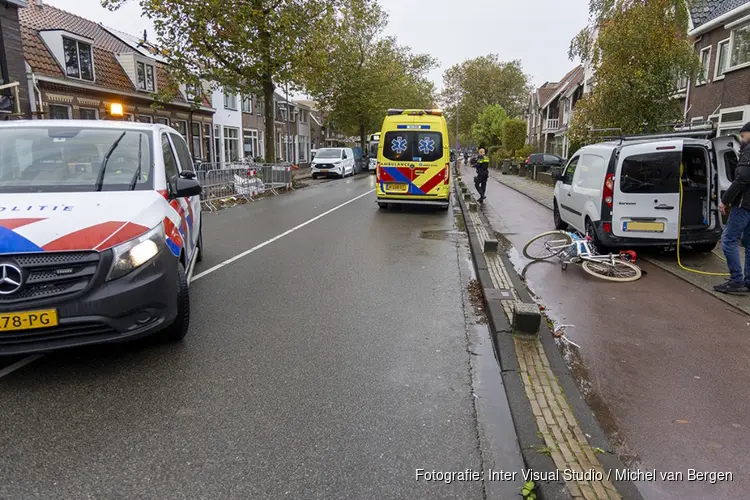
241,181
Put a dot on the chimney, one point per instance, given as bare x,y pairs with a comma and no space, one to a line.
145,35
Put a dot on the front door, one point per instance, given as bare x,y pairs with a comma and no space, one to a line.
727,154
646,203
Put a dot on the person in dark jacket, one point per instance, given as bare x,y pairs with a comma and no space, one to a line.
738,224
483,173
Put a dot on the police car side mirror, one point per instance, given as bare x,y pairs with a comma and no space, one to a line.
185,188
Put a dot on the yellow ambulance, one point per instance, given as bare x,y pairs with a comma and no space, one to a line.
413,159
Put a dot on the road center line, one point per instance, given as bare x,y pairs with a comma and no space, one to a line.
275,238
19,364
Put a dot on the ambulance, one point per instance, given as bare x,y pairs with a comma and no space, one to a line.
100,230
413,159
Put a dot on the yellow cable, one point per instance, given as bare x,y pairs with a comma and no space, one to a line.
679,231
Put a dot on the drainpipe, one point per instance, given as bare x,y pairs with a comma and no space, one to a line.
687,101
32,93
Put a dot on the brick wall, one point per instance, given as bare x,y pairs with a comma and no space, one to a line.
13,52
733,90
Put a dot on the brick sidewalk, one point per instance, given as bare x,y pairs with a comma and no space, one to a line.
565,441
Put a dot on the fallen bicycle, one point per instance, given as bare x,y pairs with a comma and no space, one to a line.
574,248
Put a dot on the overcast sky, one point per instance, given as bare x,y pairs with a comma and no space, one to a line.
537,32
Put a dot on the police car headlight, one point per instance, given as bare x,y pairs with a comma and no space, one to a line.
134,253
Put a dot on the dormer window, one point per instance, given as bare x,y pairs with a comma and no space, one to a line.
145,76
79,61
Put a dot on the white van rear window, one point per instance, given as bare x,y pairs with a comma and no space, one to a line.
651,173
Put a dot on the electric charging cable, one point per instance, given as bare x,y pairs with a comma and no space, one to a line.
679,231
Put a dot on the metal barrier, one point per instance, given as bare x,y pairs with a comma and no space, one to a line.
240,180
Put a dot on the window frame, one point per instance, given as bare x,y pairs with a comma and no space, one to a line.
717,68
95,110
193,138
160,120
78,44
732,40
174,125
247,108
146,66
150,119
226,138
701,78
230,99
66,106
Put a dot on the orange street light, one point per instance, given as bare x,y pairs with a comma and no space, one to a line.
115,109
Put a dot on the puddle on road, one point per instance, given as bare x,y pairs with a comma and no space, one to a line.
441,235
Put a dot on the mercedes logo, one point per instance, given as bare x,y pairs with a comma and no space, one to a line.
11,279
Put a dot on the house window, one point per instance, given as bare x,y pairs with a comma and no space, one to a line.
57,112
705,59
303,116
230,101
207,149
217,143
722,51
251,143
89,113
302,148
682,83
247,105
740,46
163,121
79,62
181,127
231,144
195,140
145,73
145,119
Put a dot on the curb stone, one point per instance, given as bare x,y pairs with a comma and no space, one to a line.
524,419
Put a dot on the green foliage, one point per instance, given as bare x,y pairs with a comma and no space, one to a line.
242,46
478,83
488,129
528,490
514,135
365,73
639,49
524,151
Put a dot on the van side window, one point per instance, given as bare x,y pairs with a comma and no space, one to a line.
170,163
651,173
570,171
591,170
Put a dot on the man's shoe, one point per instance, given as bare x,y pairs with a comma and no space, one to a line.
481,199
731,287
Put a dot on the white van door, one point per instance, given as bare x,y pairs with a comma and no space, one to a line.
564,196
727,154
646,201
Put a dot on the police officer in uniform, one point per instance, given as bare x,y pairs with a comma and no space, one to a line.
483,173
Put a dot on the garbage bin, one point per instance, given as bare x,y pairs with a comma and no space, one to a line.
506,167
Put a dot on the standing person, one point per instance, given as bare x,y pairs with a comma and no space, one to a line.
738,224
483,173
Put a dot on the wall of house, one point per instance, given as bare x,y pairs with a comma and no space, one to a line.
731,91
303,137
13,52
225,118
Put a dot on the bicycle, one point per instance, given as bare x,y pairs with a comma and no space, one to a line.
574,248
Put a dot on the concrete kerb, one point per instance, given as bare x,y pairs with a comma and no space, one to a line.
523,415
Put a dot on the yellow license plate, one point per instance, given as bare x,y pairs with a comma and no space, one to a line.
324,171
28,320
649,227
397,188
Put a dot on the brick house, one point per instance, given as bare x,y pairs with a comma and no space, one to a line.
721,92
79,68
253,126
14,94
550,110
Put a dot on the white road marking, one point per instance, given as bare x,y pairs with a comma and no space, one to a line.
19,364
275,238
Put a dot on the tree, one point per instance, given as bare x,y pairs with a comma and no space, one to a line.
514,135
488,129
246,46
480,82
639,49
365,73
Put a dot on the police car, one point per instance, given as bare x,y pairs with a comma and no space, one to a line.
100,230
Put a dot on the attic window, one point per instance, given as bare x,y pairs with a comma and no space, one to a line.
145,73
79,62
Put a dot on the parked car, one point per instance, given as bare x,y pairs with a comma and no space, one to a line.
100,231
634,192
333,161
547,161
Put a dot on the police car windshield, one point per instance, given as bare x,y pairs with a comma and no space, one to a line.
328,153
70,159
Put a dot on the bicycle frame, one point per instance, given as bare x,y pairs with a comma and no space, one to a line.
584,250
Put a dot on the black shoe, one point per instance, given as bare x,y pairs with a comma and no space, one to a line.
731,287
481,199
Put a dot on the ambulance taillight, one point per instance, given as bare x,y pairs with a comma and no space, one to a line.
447,176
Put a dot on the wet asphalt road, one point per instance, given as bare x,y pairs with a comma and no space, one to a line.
664,364
328,364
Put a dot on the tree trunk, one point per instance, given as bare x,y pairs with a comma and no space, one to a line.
362,141
270,146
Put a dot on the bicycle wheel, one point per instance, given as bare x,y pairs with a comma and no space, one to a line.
621,271
546,245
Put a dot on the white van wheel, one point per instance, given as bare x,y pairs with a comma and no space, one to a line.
559,223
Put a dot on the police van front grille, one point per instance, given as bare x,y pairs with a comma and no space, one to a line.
48,275
324,166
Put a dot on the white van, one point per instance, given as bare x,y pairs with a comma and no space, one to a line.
333,161
626,193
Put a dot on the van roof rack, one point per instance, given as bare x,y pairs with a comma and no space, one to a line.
689,130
